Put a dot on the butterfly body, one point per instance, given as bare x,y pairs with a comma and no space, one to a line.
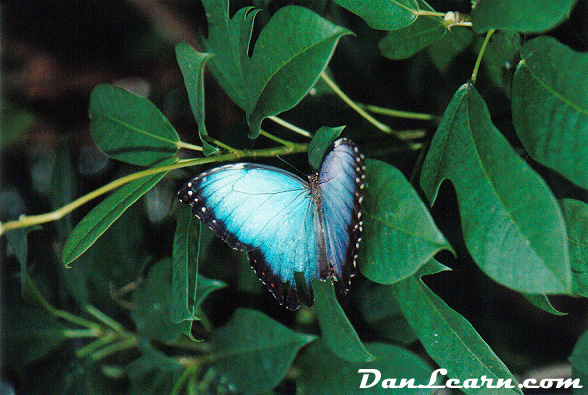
287,224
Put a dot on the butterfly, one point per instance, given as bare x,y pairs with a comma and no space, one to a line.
287,224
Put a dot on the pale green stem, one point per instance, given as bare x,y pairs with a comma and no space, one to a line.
276,139
399,114
480,55
288,125
79,333
429,13
192,147
116,347
25,221
106,320
351,103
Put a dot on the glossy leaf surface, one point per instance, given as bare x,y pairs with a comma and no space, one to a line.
254,352
447,336
129,127
93,225
324,373
399,234
287,59
526,16
192,64
576,215
383,14
336,330
550,107
518,241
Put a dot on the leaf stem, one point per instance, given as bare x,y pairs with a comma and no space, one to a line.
26,221
189,146
479,59
106,320
358,109
115,347
288,125
276,139
398,113
430,13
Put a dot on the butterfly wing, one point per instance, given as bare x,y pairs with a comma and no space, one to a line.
266,211
341,180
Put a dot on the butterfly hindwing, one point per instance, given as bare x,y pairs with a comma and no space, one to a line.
264,210
341,180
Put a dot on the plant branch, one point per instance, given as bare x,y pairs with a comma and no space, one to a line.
288,125
399,114
358,109
480,55
26,221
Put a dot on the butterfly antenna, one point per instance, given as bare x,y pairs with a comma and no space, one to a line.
292,166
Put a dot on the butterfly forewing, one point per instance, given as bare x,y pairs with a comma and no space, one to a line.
264,210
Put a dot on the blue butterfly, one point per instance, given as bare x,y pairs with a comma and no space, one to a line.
286,224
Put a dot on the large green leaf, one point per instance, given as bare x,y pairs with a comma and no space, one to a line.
129,127
254,352
93,225
550,107
323,373
185,265
189,288
383,14
405,42
511,222
398,231
336,330
525,16
576,215
447,336
289,55
192,63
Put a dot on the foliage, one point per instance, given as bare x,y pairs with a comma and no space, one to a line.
187,319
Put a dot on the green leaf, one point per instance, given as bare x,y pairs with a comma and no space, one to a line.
550,107
192,63
517,241
542,302
289,55
447,336
129,127
579,360
405,42
185,266
228,39
291,52
320,143
383,14
336,330
323,373
254,352
152,303
63,188
399,233
30,335
576,215
93,225
189,288
449,46
526,16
